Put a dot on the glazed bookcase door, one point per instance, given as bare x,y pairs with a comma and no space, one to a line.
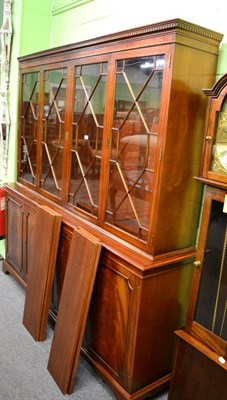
87,136
53,130
29,126
211,310
134,137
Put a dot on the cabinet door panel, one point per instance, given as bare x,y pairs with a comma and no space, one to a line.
53,130
15,235
212,304
62,258
29,221
108,321
207,314
87,132
135,130
163,305
198,376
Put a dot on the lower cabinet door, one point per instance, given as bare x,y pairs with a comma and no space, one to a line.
20,220
111,313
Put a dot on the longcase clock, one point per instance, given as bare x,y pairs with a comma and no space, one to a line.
200,370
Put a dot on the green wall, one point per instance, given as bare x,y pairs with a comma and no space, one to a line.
222,61
1,11
36,26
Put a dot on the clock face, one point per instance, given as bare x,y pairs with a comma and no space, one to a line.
219,160
222,155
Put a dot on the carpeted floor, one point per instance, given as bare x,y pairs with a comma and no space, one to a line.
23,362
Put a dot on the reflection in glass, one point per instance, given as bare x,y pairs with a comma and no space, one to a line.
134,139
53,130
211,311
89,100
29,120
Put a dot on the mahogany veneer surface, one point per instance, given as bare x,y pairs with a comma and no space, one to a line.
198,373
73,308
39,287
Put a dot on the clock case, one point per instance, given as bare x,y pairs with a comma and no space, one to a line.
209,288
200,366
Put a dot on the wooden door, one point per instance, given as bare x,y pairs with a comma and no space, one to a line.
207,314
110,317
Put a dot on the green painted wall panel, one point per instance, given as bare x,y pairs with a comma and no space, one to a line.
1,12
222,61
36,27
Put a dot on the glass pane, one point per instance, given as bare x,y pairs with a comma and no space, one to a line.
219,156
211,311
29,120
134,139
89,100
53,130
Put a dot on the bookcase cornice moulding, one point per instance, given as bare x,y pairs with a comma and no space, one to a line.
175,30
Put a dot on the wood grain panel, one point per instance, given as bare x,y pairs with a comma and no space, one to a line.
198,373
73,309
15,231
43,258
110,311
28,227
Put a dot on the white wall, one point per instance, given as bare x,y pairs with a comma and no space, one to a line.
100,17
